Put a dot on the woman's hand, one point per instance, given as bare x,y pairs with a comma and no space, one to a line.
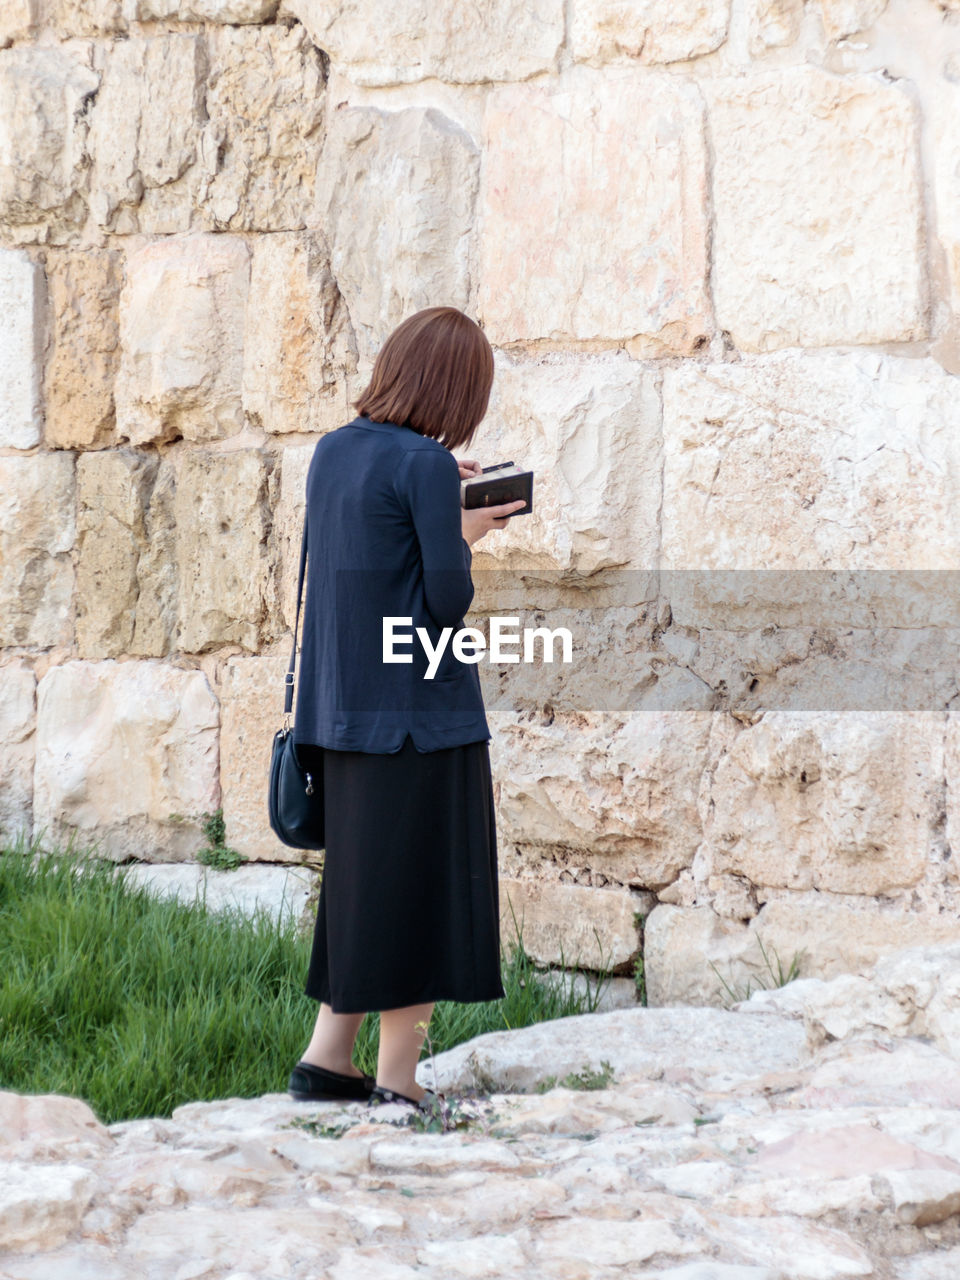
478,521
469,468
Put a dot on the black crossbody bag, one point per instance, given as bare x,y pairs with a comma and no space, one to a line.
295,800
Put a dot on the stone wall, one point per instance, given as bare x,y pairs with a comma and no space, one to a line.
716,245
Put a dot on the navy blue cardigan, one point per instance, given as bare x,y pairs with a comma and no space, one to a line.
384,540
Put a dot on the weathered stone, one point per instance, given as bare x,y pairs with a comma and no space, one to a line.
911,991
846,803
181,325
49,1125
288,525
652,31
298,347
804,1250
846,459
254,1240
45,96
612,1244
625,807
718,1045
826,935
21,338
86,17
145,135
279,892
113,493
774,23
923,1196
943,111
206,10
569,924
251,707
818,212
618,155
226,590
139,792
40,1205
265,101
19,20
589,428
397,247
37,532
17,721
155,618
84,289
846,17
411,40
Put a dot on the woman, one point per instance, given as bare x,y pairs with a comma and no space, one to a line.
408,910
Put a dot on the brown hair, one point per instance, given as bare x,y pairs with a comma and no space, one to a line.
434,374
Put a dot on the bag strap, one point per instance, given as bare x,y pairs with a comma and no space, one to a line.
288,678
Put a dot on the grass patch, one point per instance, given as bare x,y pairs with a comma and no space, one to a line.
138,1004
778,976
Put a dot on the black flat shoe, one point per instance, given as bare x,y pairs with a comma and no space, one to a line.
308,1083
379,1094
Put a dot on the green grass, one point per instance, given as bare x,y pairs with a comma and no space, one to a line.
138,1004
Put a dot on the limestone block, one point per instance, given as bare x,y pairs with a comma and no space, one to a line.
21,343
659,1044
113,492
411,40
86,17
298,349
398,246
846,802
17,721
831,935
652,31
155,616
774,23
846,460
145,134
41,1205
818,212
226,591
280,892
238,11
617,794
288,524
569,924
37,532
589,427
615,158
846,17
84,357
126,756
45,96
265,101
49,1119
19,20
943,110
181,329
251,702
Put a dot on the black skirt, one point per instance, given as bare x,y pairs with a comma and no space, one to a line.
409,909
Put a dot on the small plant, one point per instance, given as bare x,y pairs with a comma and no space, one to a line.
779,975
217,854
585,1079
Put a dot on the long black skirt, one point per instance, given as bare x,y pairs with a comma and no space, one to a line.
409,909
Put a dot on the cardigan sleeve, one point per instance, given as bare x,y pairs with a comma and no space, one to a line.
428,483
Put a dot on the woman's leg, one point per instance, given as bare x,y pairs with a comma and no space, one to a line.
331,1044
402,1033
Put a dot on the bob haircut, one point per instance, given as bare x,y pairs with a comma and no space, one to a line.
433,374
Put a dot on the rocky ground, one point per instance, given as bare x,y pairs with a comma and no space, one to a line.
812,1132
